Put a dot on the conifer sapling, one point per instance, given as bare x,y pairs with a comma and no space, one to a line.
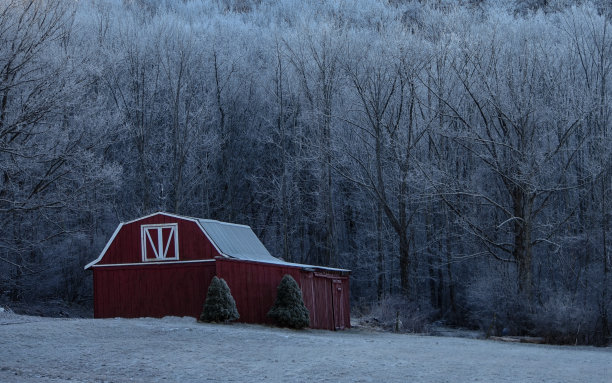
289,309
220,305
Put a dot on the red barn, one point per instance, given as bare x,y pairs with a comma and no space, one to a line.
162,265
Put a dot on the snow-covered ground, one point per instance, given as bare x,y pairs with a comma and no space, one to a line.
35,349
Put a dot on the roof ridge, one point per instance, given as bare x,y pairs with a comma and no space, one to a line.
222,222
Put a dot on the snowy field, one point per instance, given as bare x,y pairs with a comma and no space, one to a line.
35,349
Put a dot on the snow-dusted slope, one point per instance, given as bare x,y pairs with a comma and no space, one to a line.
36,349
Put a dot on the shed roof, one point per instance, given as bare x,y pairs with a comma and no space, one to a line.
237,241
240,242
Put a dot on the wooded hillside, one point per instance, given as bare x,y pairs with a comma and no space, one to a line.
457,156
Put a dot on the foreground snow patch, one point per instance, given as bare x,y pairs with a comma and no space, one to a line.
34,349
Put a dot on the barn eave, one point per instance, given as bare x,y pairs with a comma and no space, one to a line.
110,241
153,263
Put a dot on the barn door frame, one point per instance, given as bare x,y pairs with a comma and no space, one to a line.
338,303
153,235
336,291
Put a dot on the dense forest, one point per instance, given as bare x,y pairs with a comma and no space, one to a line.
456,156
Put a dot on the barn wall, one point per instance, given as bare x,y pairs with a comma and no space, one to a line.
127,247
254,285
151,290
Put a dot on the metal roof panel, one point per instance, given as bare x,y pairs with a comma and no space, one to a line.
237,241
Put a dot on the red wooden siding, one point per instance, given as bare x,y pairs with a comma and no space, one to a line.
151,290
254,285
127,247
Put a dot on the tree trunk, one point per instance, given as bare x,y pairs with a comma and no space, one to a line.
606,262
379,249
404,261
433,291
522,251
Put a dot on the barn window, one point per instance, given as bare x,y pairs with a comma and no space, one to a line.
159,242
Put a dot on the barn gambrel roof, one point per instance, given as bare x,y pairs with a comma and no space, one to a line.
230,239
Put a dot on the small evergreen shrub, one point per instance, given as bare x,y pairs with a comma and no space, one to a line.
220,305
289,309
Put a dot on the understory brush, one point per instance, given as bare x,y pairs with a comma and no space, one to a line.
398,314
558,317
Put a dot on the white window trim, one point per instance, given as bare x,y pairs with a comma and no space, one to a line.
145,236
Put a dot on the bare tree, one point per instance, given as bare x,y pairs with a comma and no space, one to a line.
315,56
390,126
591,48
510,91
47,165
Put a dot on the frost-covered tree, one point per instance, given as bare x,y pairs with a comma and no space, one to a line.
289,309
220,305
520,128
49,142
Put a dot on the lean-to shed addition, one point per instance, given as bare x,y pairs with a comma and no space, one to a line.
162,264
